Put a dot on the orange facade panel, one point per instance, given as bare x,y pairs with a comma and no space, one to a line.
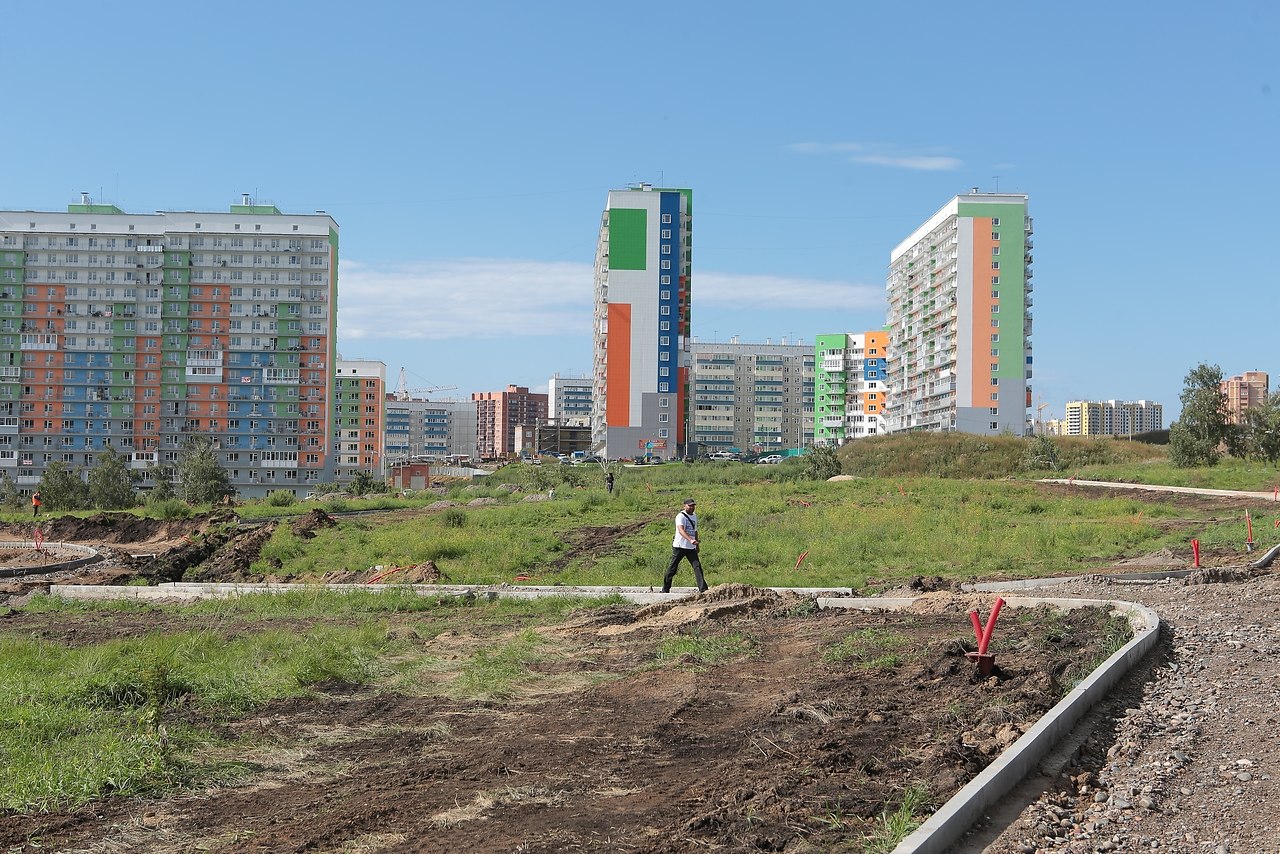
980,371
618,366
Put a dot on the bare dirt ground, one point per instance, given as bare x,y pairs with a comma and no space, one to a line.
611,749
779,750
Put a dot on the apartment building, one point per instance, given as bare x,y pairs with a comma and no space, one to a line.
141,331
849,386
1111,418
959,321
430,428
641,323
359,407
756,397
1244,391
569,400
500,413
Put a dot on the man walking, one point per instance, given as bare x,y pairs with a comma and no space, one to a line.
608,482
685,545
35,504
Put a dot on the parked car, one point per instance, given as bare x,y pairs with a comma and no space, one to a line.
724,456
772,459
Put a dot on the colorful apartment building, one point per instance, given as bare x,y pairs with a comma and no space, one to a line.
142,331
641,323
359,408
500,413
1244,391
850,374
959,320
751,397
1111,418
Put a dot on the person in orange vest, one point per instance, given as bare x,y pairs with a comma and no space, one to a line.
35,504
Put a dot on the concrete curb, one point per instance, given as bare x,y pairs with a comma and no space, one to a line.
945,827
91,555
937,834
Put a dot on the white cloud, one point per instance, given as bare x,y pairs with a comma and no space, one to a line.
877,154
463,298
774,293
919,162
469,298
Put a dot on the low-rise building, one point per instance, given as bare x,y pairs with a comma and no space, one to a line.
756,397
1112,417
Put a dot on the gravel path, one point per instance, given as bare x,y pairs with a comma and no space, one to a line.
1185,754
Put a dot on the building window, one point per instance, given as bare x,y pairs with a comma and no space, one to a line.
995,250
664,280
664,310
663,433
995,410
995,265
664,386
995,322
995,235
664,325
994,352
995,309
995,425
664,372
664,401
995,222
666,263
666,249
995,395
666,219
995,280
995,381
663,417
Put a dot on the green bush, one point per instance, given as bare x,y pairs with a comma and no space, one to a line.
453,518
169,508
281,498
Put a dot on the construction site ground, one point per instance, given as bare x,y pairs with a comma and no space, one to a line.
614,747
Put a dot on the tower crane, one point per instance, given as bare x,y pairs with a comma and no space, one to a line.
403,391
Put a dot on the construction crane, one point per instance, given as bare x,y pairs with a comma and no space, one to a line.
1039,419
403,392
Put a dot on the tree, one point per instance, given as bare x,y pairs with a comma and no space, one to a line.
162,476
364,483
1262,429
201,478
111,482
9,496
821,462
63,489
1196,438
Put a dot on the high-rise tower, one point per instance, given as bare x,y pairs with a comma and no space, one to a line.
640,359
960,319
139,332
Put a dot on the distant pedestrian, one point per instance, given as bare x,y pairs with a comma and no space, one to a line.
685,545
608,482
35,504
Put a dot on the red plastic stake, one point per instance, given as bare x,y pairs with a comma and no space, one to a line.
985,661
1248,521
804,554
991,624
1195,553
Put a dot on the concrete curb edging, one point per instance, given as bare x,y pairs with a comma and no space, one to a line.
941,830
946,826
91,555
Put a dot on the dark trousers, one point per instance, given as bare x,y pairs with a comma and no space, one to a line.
692,555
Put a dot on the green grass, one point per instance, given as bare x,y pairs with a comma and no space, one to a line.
862,533
78,723
868,649
895,825
700,650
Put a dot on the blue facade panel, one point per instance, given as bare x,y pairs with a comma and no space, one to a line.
669,250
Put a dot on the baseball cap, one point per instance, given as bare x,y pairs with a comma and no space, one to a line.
688,501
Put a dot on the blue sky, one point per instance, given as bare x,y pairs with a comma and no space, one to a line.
466,151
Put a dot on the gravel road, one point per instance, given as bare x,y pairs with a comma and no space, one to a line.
1185,755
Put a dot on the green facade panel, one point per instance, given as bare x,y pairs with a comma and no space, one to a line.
628,238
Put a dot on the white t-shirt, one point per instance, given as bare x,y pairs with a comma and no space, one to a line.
690,521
